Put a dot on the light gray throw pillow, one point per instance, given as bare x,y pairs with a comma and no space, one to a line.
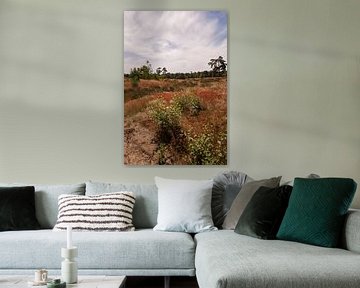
184,205
243,198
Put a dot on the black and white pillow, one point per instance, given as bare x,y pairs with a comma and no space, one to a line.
105,212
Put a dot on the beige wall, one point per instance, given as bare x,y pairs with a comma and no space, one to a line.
294,98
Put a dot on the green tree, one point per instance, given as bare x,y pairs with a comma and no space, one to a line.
143,72
158,71
134,77
218,65
146,71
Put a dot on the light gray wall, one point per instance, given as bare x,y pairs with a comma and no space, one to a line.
294,97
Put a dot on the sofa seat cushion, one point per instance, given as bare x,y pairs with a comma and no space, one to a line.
142,249
226,259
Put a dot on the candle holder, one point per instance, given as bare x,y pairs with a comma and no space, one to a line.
69,272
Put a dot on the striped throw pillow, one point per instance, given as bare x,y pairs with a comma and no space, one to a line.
105,212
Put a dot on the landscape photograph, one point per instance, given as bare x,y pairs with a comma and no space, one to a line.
175,87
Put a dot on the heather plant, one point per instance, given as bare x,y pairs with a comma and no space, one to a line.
161,154
199,147
207,148
167,119
187,102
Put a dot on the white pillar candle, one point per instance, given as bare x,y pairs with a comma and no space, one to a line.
69,237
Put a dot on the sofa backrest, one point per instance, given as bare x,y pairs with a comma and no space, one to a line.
46,200
351,237
146,203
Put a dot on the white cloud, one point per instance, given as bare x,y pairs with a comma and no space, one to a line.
181,41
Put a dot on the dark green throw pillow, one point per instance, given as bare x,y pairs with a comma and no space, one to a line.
316,211
17,208
264,212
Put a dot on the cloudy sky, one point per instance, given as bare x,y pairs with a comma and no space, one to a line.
181,41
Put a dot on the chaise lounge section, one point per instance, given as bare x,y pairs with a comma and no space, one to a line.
225,259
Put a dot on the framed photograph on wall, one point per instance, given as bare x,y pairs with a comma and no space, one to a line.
175,87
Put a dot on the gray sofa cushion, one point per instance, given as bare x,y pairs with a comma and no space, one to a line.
146,204
351,236
46,200
142,249
226,259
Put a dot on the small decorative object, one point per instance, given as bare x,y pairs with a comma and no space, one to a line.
69,265
41,278
41,275
69,237
56,283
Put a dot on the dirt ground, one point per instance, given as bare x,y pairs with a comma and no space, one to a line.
139,148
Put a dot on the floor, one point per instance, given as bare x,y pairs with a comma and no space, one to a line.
158,282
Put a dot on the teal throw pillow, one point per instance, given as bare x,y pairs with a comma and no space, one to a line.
316,211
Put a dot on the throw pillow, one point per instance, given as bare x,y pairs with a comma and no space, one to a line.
105,212
243,198
184,205
17,209
263,215
316,211
226,187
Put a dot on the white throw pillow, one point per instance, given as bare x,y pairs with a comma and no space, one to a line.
104,212
184,205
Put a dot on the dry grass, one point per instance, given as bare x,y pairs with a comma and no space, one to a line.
212,118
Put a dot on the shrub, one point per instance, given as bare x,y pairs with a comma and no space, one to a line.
208,148
199,148
161,154
167,119
134,78
189,103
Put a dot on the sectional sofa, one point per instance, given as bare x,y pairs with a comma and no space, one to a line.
219,259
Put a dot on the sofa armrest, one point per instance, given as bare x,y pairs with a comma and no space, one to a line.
351,233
